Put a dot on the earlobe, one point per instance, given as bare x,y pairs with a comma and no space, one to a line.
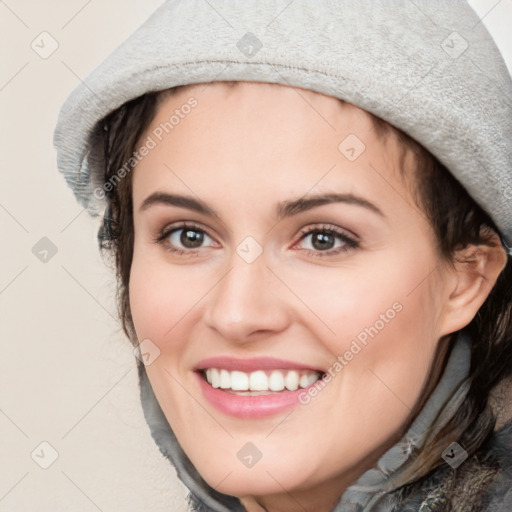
474,273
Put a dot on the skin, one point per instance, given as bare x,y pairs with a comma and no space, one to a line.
242,150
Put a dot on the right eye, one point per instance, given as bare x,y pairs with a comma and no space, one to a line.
182,238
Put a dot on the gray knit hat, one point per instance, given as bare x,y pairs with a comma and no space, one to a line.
429,67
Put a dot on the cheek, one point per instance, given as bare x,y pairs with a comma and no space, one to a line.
161,305
380,328
389,300
147,308
158,299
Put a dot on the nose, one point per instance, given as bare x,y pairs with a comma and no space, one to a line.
247,302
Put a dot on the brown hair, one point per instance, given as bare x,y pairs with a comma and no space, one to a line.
457,220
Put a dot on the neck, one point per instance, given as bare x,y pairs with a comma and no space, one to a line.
319,499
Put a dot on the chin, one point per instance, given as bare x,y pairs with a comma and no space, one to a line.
250,484
267,476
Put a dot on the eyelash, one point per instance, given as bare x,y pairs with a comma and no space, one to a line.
350,243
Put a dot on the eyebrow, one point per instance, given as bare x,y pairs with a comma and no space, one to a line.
283,209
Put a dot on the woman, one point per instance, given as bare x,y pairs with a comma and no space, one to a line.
310,230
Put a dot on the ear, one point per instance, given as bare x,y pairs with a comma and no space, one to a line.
470,281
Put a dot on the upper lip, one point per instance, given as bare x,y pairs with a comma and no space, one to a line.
253,364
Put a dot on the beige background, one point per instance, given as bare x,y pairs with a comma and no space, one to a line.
67,374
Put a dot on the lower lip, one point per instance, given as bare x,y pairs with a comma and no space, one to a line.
249,406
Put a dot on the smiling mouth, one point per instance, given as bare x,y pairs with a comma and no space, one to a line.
259,382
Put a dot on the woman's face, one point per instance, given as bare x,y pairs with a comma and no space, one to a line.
302,254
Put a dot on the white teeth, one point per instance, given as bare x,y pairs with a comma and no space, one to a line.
260,380
307,379
292,380
215,377
276,381
239,381
225,379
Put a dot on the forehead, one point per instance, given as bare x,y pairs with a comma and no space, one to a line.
262,137
250,97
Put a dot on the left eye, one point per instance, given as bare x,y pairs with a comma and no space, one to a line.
323,241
